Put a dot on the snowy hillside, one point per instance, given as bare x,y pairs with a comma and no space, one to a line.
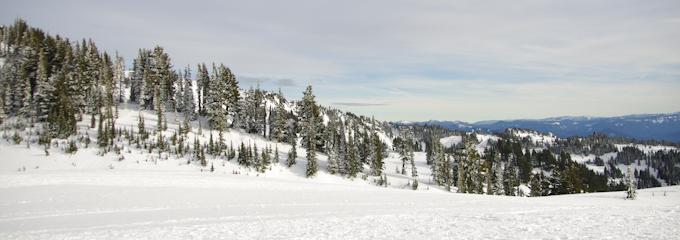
451,141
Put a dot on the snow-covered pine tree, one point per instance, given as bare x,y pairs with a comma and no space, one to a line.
489,160
353,164
266,160
260,114
137,81
341,148
332,166
164,76
475,172
535,185
3,93
631,184
179,94
292,156
215,101
250,117
448,171
44,89
438,167
310,118
61,117
331,145
241,157
498,181
189,106
257,161
510,182
26,99
280,119
311,130
109,85
202,84
119,78
232,93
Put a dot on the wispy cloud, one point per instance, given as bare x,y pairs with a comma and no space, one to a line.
358,104
274,82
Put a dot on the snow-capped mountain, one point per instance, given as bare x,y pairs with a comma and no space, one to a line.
641,126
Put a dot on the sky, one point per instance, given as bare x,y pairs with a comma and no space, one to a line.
407,60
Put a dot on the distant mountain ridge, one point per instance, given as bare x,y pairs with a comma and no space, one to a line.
663,126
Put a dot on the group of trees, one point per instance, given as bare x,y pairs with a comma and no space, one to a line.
51,80
55,82
505,164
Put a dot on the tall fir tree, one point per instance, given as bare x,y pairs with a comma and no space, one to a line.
280,119
312,164
44,89
310,118
189,106
631,184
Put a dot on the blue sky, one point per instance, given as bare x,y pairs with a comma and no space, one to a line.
408,60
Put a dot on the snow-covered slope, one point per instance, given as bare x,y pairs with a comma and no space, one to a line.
533,136
186,204
451,141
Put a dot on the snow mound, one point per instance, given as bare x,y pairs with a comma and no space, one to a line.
451,141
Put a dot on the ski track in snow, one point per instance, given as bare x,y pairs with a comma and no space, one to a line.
50,207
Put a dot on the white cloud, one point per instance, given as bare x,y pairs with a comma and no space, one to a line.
477,59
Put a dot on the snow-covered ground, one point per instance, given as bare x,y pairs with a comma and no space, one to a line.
133,204
170,201
141,196
451,141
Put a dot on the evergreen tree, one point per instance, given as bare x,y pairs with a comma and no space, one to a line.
376,147
266,160
292,155
119,79
158,107
332,145
44,89
61,118
202,83
280,121
498,181
354,166
3,93
631,184
220,98
189,107
139,84
510,177
535,185
312,165
233,96
414,170
310,119
140,127
107,81
241,159
332,166
257,162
